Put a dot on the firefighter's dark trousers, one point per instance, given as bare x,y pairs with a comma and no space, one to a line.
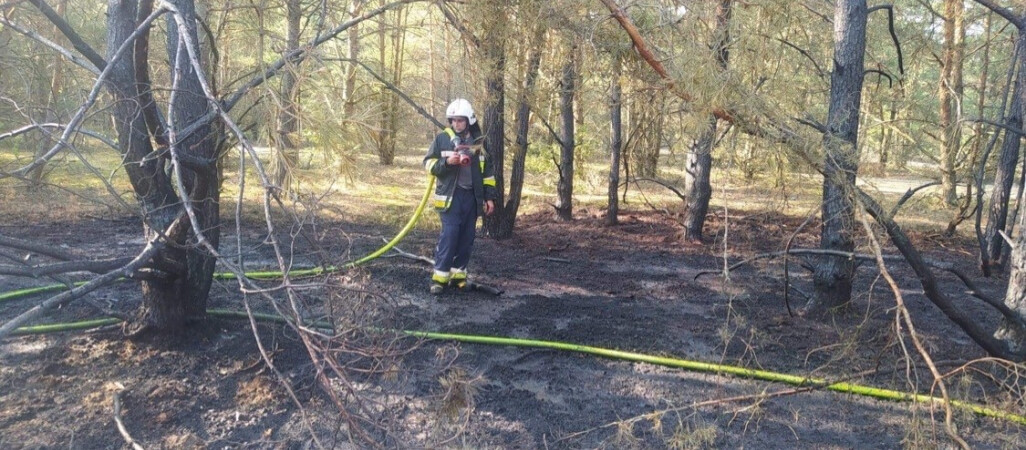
457,238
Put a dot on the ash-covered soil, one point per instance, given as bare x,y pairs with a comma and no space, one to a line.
633,287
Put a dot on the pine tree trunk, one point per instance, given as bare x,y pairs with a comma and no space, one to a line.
505,218
950,95
1004,177
565,186
833,276
698,188
615,139
285,143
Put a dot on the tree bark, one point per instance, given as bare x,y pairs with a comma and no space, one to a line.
507,217
1004,176
565,186
1010,332
285,146
493,51
698,188
833,276
950,95
615,139
353,54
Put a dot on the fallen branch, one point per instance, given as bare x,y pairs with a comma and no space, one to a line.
94,284
970,325
975,291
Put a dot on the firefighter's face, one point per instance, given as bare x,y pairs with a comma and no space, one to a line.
459,124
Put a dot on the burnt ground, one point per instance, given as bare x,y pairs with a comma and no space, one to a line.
632,287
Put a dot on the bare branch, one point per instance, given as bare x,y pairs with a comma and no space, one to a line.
110,277
971,326
908,194
456,22
894,36
76,40
666,185
303,52
1019,22
35,247
42,270
819,70
398,92
40,126
121,425
94,93
39,38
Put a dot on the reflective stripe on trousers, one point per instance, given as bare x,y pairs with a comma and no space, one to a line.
457,238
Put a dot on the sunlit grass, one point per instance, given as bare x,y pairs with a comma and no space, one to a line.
359,189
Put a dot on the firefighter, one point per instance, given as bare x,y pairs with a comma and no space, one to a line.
464,191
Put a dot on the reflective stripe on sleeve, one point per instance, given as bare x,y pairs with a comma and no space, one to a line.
429,163
489,181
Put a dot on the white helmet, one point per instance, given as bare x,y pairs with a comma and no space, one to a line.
461,108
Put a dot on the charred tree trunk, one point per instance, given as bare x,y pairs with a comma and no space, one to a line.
1004,177
565,187
507,216
1009,332
615,139
833,276
183,273
201,180
493,48
698,189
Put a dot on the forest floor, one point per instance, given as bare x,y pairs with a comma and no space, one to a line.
633,287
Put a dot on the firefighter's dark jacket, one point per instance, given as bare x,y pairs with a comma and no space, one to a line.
482,172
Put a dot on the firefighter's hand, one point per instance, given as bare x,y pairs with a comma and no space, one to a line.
489,207
453,159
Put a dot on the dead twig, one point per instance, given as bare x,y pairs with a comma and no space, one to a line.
906,317
559,260
120,424
908,194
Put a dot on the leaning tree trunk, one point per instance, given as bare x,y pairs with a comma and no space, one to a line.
698,188
507,216
615,138
997,217
565,187
1015,297
833,276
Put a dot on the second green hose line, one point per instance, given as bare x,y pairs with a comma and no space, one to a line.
695,366
690,365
